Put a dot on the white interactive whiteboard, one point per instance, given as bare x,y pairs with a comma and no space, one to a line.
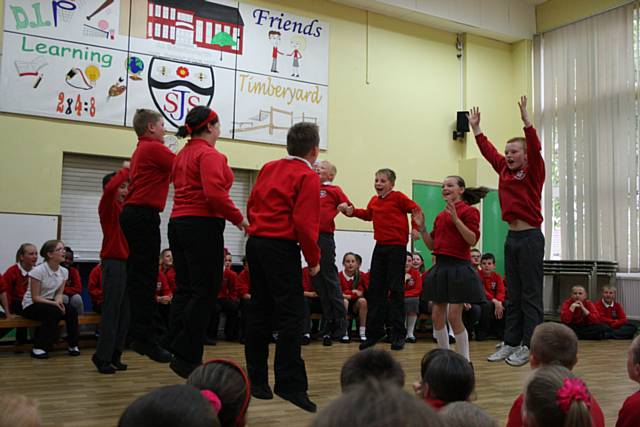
24,228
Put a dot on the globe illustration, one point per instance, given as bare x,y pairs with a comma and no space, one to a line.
135,65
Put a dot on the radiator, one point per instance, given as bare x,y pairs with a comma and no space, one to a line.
628,285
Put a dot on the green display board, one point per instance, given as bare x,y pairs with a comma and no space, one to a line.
494,230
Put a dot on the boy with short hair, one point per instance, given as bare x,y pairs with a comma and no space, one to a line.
370,363
283,211
553,344
630,412
326,283
150,174
612,314
581,315
492,317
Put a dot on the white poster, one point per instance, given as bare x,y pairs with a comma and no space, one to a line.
261,69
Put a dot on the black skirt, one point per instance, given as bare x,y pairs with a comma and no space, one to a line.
453,280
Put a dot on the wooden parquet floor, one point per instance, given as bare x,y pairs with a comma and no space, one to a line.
72,393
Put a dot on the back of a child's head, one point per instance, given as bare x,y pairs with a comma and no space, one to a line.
554,344
447,375
18,411
142,118
230,383
377,404
633,363
465,414
168,406
368,364
554,397
302,138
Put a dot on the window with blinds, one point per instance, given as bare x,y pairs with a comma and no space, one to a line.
81,191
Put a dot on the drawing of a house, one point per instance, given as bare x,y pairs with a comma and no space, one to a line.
194,23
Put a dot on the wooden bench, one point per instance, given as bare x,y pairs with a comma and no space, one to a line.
22,322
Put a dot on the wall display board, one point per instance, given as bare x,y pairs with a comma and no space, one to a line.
97,61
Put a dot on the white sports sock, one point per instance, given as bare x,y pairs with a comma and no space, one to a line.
362,330
462,344
411,324
442,337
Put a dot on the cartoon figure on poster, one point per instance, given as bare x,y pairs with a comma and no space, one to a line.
299,44
274,38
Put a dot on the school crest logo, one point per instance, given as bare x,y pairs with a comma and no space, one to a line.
520,175
177,87
323,193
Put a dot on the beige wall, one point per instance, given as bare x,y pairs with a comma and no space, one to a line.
556,13
401,118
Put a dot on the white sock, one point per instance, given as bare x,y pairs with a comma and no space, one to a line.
411,324
442,337
362,330
462,344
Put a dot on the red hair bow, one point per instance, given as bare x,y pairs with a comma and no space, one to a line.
572,389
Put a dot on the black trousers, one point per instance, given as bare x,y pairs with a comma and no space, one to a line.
141,228
471,318
327,285
523,253
624,332
244,313
277,303
230,309
50,315
114,321
311,305
197,245
489,325
385,296
597,331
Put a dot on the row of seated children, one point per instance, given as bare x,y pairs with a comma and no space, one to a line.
372,381
603,319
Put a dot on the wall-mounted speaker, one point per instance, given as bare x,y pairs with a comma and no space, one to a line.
462,125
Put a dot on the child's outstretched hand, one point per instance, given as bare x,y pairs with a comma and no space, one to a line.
342,207
348,211
474,120
524,114
418,218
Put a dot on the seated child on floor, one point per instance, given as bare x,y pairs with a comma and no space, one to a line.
412,292
612,314
492,316
354,284
311,305
226,303
581,315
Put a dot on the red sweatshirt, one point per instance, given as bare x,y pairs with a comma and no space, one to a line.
3,286
614,316
515,414
447,240
170,274
151,165
114,244
74,283
243,285
95,285
520,191
330,197
17,281
493,286
630,412
389,216
162,286
201,180
412,283
347,285
228,285
285,204
577,317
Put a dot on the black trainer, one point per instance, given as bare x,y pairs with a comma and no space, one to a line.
102,366
300,399
152,351
261,391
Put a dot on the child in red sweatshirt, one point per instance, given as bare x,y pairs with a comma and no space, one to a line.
630,412
150,172
227,303
283,210
354,284
581,315
612,314
492,316
412,292
521,172
388,210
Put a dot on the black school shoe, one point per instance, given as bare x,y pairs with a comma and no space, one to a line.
181,367
116,362
397,344
327,341
261,391
102,366
300,399
152,351
369,342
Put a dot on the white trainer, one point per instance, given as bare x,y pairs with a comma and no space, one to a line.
502,353
520,357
